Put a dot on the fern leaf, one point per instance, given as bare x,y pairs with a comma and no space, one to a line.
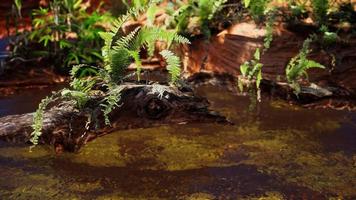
38,119
111,102
126,42
151,14
312,64
120,60
247,3
243,69
181,39
136,56
173,65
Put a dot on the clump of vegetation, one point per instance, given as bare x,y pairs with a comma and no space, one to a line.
118,53
189,18
298,66
251,71
328,37
66,33
137,4
257,8
320,10
298,11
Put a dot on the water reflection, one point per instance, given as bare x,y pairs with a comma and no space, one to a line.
26,101
282,152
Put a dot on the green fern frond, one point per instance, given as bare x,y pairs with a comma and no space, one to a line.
116,25
136,56
210,8
120,60
81,98
38,119
173,65
75,70
151,14
111,102
298,66
119,56
82,85
181,39
127,41
149,35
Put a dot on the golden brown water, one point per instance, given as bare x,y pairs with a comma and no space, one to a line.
277,151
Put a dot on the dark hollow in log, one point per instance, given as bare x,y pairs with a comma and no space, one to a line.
141,106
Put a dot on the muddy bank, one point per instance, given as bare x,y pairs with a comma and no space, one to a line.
224,53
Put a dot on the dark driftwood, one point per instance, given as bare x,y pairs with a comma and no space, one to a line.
140,106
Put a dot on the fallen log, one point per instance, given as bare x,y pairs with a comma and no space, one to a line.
140,106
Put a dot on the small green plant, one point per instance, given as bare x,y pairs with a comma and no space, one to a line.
81,85
38,119
137,4
251,72
298,66
18,5
320,10
269,31
257,8
328,37
298,9
68,32
173,65
193,14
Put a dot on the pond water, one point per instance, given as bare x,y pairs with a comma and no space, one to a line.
277,151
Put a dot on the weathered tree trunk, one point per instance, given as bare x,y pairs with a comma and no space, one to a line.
141,106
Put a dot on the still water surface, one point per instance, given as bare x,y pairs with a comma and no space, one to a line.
278,151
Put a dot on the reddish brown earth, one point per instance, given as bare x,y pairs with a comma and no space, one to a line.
225,52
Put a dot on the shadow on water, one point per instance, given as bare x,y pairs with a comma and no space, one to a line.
279,151
26,101
77,179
